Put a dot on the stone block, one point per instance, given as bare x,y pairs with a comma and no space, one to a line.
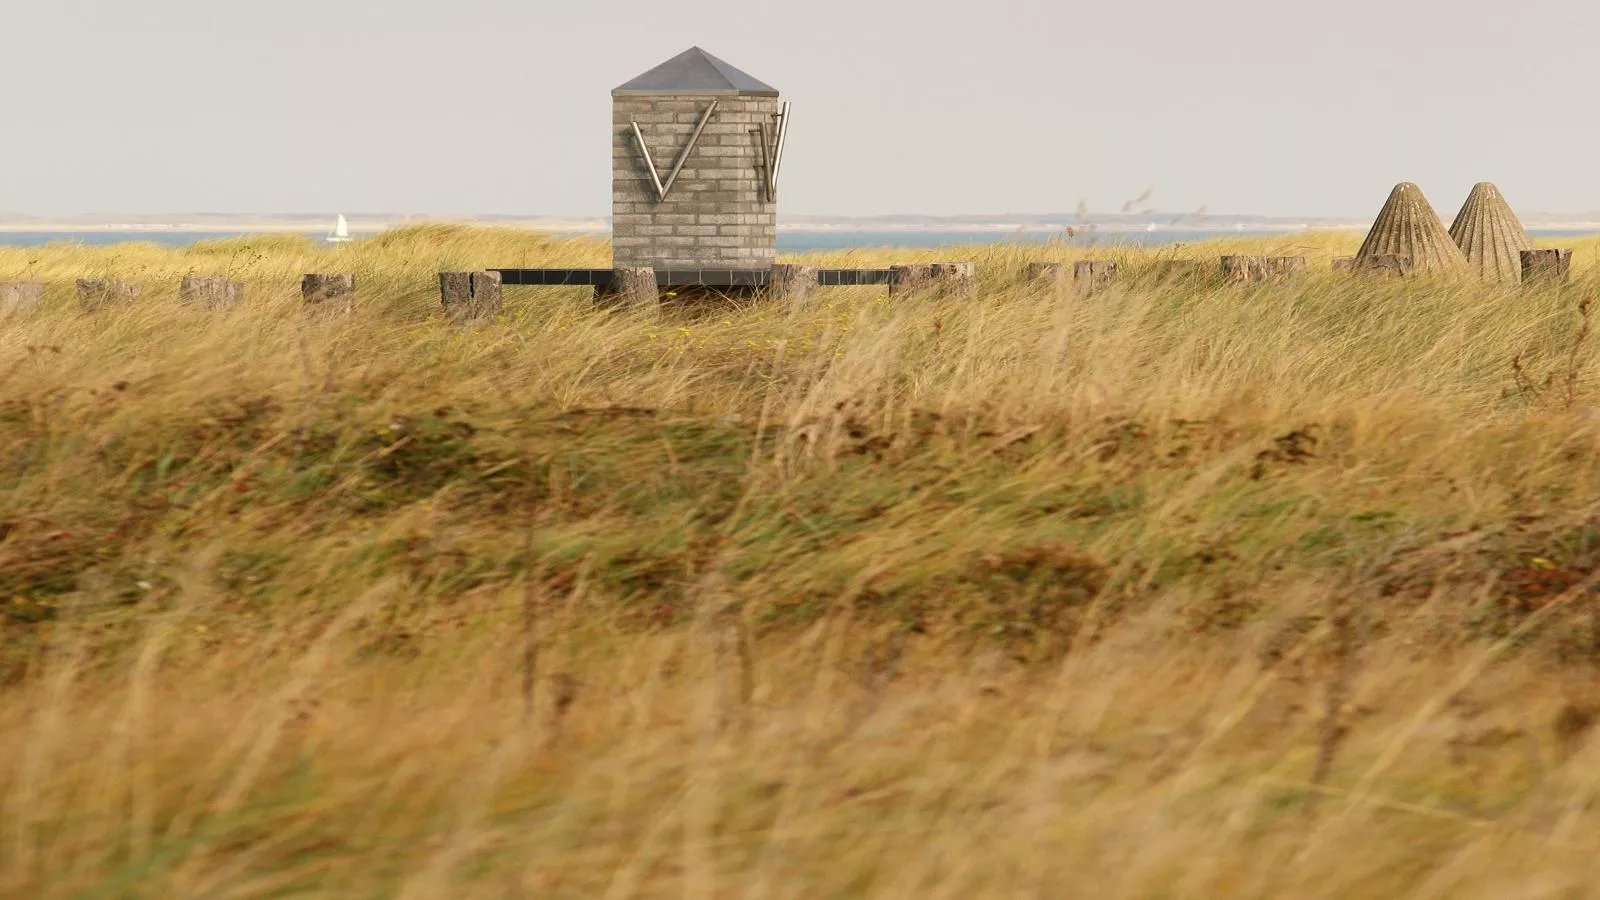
95,294
952,277
469,296
1244,269
794,285
1284,268
1089,276
210,291
632,287
1548,266
335,290
1260,269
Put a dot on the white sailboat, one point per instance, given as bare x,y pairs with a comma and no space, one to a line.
341,232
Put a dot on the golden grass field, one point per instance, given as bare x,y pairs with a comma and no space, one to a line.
1172,591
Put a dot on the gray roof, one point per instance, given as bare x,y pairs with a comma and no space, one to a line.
695,71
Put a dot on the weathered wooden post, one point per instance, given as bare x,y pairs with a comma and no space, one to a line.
1284,268
793,285
1090,275
905,279
1546,265
210,291
956,278
329,290
16,296
1344,263
470,295
1244,269
95,294
953,277
632,287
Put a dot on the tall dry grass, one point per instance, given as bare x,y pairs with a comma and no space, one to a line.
1171,591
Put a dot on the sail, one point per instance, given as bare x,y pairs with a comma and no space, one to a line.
342,229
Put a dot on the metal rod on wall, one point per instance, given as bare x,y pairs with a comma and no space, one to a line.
783,134
693,139
766,164
639,135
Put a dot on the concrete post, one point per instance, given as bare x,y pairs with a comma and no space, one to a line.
1089,276
1284,268
1258,269
792,285
959,278
908,278
470,295
1546,265
1244,269
632,287
210,291
335,290
954,277
95,294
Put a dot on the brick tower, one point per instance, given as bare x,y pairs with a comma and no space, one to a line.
696,148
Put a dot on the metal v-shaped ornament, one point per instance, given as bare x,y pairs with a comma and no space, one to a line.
663,188
772,151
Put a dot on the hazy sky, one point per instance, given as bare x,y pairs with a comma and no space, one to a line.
1277,107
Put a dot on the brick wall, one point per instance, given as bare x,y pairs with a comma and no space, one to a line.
718,214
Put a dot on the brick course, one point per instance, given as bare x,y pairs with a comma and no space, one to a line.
718,214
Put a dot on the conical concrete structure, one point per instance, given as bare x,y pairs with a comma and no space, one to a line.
1489,235
1408,226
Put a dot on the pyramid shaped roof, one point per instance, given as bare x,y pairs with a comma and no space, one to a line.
1489,235
1408,226
694,71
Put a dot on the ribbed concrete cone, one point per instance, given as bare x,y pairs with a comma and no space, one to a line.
1489,235
1408,226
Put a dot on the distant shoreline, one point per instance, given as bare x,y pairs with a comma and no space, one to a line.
599,229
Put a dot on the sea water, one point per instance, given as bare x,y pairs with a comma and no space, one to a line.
789,241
